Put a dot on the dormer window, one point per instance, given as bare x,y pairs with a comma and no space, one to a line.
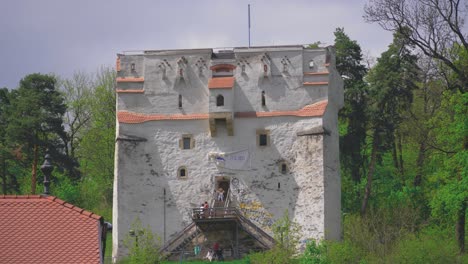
219,100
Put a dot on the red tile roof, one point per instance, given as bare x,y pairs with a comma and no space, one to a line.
222,66
39,229
312,110
316,73
129,91
221,83
314,83
130,79
135,118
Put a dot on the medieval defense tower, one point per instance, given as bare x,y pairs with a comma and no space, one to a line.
257,124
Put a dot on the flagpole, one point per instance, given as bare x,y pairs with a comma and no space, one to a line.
249,23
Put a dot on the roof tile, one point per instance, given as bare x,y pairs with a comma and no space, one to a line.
46,230
221,83
130,79
314,83
316,73
312,110
130,91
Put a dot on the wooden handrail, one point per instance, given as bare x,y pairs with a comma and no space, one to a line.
178,236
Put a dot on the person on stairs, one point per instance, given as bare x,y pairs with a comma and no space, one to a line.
220,194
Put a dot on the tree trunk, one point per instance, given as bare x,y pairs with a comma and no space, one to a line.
4,176
370,173
460,228
34,171
395,157
420,164
400,154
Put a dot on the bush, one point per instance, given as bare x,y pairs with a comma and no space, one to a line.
432,245
144,246
315,253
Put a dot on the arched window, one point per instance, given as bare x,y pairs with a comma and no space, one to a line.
219,100
263,99
180,101
182,172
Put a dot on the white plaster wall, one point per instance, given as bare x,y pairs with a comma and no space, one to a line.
145,169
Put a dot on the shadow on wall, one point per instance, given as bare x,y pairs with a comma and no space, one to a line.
263,192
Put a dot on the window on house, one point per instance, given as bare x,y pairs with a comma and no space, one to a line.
187,142
263,99
180,101
219,100
263,138
132,67
182,172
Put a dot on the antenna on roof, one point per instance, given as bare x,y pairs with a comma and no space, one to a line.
249,22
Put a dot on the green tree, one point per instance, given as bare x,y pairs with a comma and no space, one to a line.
97,143
35,119
77,94
391,85
353,115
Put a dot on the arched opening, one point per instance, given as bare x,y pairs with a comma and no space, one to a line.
180,101
219,100
182,173
263,99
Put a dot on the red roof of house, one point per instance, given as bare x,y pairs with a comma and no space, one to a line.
40,229
221,83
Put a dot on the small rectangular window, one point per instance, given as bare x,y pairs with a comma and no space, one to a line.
186,142
262,141
263,138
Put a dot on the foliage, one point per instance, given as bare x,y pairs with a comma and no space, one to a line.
353,116
315,253
433,27
286,233
143,245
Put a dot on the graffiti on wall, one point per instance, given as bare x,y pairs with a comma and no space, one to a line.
256,213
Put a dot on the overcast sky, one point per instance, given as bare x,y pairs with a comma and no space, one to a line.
66,36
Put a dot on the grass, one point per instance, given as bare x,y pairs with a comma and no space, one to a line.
203,262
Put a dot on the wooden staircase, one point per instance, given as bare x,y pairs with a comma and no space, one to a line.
218,217
180,240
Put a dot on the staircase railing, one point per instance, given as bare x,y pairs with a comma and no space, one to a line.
227,200
179,238
268,242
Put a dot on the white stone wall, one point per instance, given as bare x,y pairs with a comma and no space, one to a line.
146,168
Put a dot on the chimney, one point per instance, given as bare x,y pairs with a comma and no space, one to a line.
46,169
